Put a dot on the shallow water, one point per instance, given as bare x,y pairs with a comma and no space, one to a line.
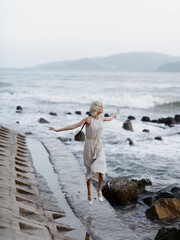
42,164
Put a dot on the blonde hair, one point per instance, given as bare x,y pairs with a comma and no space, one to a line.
94,108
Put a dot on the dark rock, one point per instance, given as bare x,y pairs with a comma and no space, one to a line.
161,120
17,122
131,118
120,192
164,195
88,113
142,184
69,113
154,121
53,113
80,136
177,195
149,200
78,112
164,209
42,120
130,141
19,109
169,121
168,234
145,130
158,138
175,189
106,115
28,133
128,125
176,192
177,118
64,139
145,119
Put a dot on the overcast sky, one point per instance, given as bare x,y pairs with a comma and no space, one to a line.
39,31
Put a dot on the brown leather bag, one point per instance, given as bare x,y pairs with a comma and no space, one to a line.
80,136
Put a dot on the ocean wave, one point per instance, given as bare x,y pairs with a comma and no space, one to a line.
125,100
3,84
174,104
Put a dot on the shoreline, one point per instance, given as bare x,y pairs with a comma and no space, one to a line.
43,184
25,195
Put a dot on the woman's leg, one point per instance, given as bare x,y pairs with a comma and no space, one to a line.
89,189
100,184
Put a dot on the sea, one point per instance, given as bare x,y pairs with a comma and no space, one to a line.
138,94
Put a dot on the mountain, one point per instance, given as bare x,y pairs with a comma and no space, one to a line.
52,65
133,61
170,67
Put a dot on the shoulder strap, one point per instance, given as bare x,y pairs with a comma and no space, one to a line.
82,127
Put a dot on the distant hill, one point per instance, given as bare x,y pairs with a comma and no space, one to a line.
170,67
133,61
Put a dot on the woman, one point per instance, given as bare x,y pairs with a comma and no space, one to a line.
94,158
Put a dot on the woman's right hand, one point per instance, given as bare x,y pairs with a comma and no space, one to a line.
53,129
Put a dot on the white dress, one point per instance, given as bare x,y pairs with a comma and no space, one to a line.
94,157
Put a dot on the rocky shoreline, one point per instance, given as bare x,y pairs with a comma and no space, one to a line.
163,206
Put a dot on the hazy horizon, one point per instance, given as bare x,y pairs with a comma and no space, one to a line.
38,32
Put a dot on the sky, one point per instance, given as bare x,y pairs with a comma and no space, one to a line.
34,32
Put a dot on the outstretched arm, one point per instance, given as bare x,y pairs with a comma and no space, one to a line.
71,127
112,116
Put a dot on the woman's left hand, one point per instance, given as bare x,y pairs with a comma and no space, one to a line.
118,110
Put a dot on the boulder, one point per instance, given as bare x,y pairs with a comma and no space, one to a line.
19,109
142,184
69,113
145,119
168,234
154,121
53,114
106,115
149,200
169,121
175,189
177,118
42,120
78,112
158,138
164,209
128,125
146,130
88,113
120,192
130,141
28,133
131,118
161,120
153,197
164,195
176,192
